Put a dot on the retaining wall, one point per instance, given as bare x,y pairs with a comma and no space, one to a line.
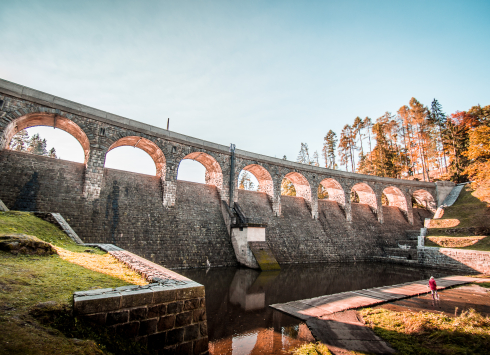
168,317
469,261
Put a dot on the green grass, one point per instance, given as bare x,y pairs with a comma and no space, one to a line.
27,223
312,349
481,245
30,326
469,210
431,333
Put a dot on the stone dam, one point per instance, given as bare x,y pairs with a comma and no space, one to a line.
180,224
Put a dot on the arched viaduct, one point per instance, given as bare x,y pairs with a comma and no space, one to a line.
99,132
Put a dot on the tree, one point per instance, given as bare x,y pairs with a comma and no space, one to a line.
20,141
315,161
456,140
347,145
287,188
34,145
438,118
329,144
304,155
357,131
478,153
245,182
322,192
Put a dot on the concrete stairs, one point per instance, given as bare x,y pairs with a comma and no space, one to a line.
406,250
264,256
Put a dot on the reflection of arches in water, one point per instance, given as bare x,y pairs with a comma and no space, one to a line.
50,120
301,185
366,194
146,146
334,190
264,179
425,200
213,174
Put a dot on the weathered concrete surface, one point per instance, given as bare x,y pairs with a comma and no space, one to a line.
451,302
344,332
324,305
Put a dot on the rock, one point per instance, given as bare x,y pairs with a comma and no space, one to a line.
25,244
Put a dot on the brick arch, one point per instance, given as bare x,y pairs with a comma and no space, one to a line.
46,119
214,174
396,198
301,185
263,176
366,194
147,146
426,199
334,189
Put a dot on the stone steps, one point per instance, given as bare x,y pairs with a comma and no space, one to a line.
409,254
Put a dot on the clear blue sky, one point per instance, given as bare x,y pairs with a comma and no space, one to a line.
265,75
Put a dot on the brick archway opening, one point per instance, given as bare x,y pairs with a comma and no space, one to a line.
263,177
334,190
301,185
213,175
396,198
50,120
425,199
148,147
366,195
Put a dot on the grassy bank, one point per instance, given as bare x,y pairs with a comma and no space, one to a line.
466,219
431,333
36,295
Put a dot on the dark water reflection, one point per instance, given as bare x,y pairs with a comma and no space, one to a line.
237,300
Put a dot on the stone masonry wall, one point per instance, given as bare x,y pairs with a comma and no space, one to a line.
469,261
296,237
167,318
129,212
131,215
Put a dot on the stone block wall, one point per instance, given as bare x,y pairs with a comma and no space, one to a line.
461,260
295,237
129,212
168,318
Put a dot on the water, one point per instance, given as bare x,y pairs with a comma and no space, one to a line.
240,321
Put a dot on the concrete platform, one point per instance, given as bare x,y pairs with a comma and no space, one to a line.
324,305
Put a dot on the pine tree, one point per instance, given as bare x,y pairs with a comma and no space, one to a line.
346,147
304,155
315,161
245,182
329,144
357,131
287,188
438,118
20,141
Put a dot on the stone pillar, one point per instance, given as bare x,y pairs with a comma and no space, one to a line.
379,207
169,185
347,205
94,173
409,208
314,203
276,199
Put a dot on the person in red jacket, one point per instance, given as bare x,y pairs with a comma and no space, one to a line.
433,288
